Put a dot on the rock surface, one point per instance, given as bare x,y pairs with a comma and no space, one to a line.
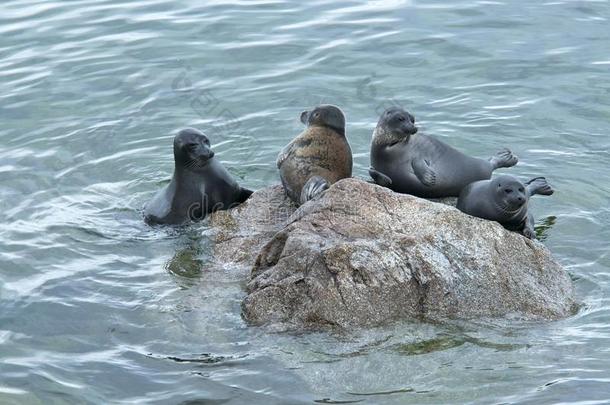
362,255
240,233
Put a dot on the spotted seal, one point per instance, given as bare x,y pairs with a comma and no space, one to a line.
318,157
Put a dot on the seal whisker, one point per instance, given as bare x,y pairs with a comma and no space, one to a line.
192,163
505,209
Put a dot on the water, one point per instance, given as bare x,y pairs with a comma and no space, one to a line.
96,307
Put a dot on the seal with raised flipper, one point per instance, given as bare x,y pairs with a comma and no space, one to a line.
318,157
422,165
199,186
504,199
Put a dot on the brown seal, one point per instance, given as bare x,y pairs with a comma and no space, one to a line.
318,157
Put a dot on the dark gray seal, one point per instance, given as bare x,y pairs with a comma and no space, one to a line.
318,157
504,199
422,165
199,186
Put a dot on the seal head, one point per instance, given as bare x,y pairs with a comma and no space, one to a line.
510,195
192,150
327,116
395,125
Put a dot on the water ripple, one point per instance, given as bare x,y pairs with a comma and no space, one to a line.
93,302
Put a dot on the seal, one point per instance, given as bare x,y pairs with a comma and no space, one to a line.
504,199
199,186
423,165
318,157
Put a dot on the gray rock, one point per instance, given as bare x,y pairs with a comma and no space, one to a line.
362,255
240,233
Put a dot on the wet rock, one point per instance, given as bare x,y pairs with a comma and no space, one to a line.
362,255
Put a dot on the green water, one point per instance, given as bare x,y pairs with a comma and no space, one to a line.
96,307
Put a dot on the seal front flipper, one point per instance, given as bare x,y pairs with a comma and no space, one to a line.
528,228
538,185
380,178
424,172
244,194
504,158
314,187
284,154
280,159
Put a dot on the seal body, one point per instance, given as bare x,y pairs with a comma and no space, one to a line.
318,157
504,199
200,184
423,165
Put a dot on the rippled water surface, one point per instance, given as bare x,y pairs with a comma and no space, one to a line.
96,307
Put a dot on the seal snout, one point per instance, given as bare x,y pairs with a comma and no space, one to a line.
409,129
204,154
514,198
304,117
517,201
200,151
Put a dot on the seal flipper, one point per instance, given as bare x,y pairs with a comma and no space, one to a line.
380,178
244,194
424,172
280,159
538,185
314,187
504,158
528,227
283,155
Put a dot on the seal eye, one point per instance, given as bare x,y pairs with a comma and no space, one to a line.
412,119
521,189
316,114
